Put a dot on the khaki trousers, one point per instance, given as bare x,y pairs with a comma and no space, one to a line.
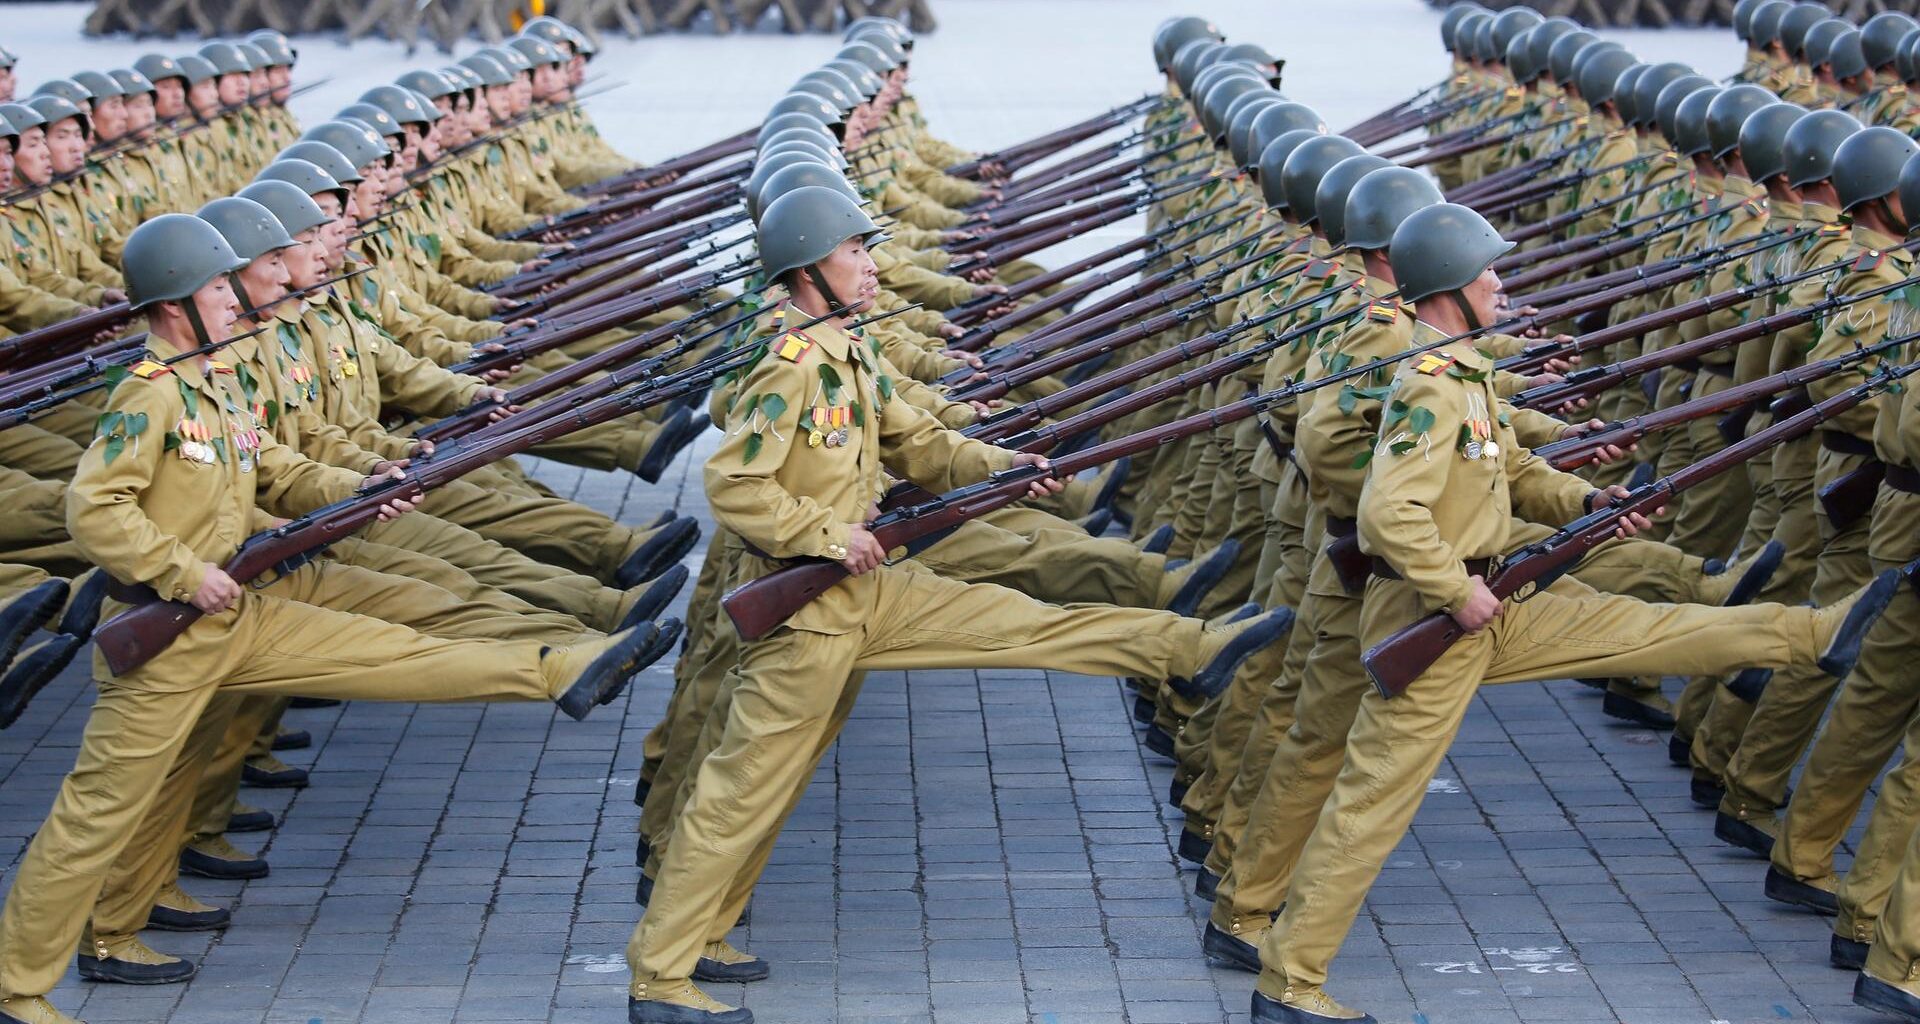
782,709
265,644
1395,745
1895,955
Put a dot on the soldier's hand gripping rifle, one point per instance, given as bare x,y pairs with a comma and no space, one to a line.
1401,659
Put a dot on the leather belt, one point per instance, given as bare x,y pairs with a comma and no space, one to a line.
1904,479
1846,444
1696,366
1475,567
1341,526
129,593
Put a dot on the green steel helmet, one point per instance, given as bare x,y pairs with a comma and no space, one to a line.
491,71
813,150
1541,37
431,84
1690,123
1215,73
1381,200
1867,165
1306,165
1275,121
8,131
769,165
195,68
1466,33
1763,29
1330,196
1510,23
463,79
810,106
1520,58
879,23
1667,105
1811,143
1763,138
537,51
172,256
1625,100
226,58
1820,37
375,118
799,176
814,137
403,105
888,46
158,66
870,55
513,60
1560,55
1452,19
306,177
1442,248
280,53
327,158
361,146
1880,37
1646,91
294,209
100,84
1240,124
1271,170
257,59
1588,54
804,226
67,89
1796,23
1255,55
800,122
1601,73
1213,110
1742,17
584,44
250,229
1729,114
1191,58
131,82
21,117
865,82
1847,56
56,109
1910,192
550,30
828,90
833,78
1903,61
1482,39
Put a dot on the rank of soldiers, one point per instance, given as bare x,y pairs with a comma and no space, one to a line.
1570,366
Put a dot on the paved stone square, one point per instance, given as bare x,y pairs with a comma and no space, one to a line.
981,848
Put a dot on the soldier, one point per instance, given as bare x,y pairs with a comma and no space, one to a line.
163,496
1423,519
782,482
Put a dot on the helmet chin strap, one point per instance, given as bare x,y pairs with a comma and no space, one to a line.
199,326
1459,297
834,305
239,292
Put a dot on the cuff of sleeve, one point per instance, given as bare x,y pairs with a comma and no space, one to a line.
1506,385
833,541
1454,595
182,582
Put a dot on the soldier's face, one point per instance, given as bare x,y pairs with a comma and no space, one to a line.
280,79
204,98
266,279
430,142
31,159
521,92
369,192
232,89
169,97
259,85
850,272
109,118
577,69
549,80
334,233
6,164
140,113
6,85
479,116
305,263
1483,296
67,145
218,308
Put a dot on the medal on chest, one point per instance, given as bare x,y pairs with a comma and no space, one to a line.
195,441
829,426
1477,431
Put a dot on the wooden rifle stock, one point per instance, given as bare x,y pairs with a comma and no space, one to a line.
1054,141
1402,658
52,340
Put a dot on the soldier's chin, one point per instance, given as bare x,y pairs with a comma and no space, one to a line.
863,304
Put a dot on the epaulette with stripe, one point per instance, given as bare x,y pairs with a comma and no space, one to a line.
147,369
1318,270
1383,312
1433,364
1755,207
1869,260
1831,230
219,367
793,346
1298,245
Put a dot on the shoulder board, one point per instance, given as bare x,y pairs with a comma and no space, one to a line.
1383,312
1515,93
1870,260
1755,207
1300,244
148,369
1897,89
1831,230
792,346
219,367
1318,269
1433,364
